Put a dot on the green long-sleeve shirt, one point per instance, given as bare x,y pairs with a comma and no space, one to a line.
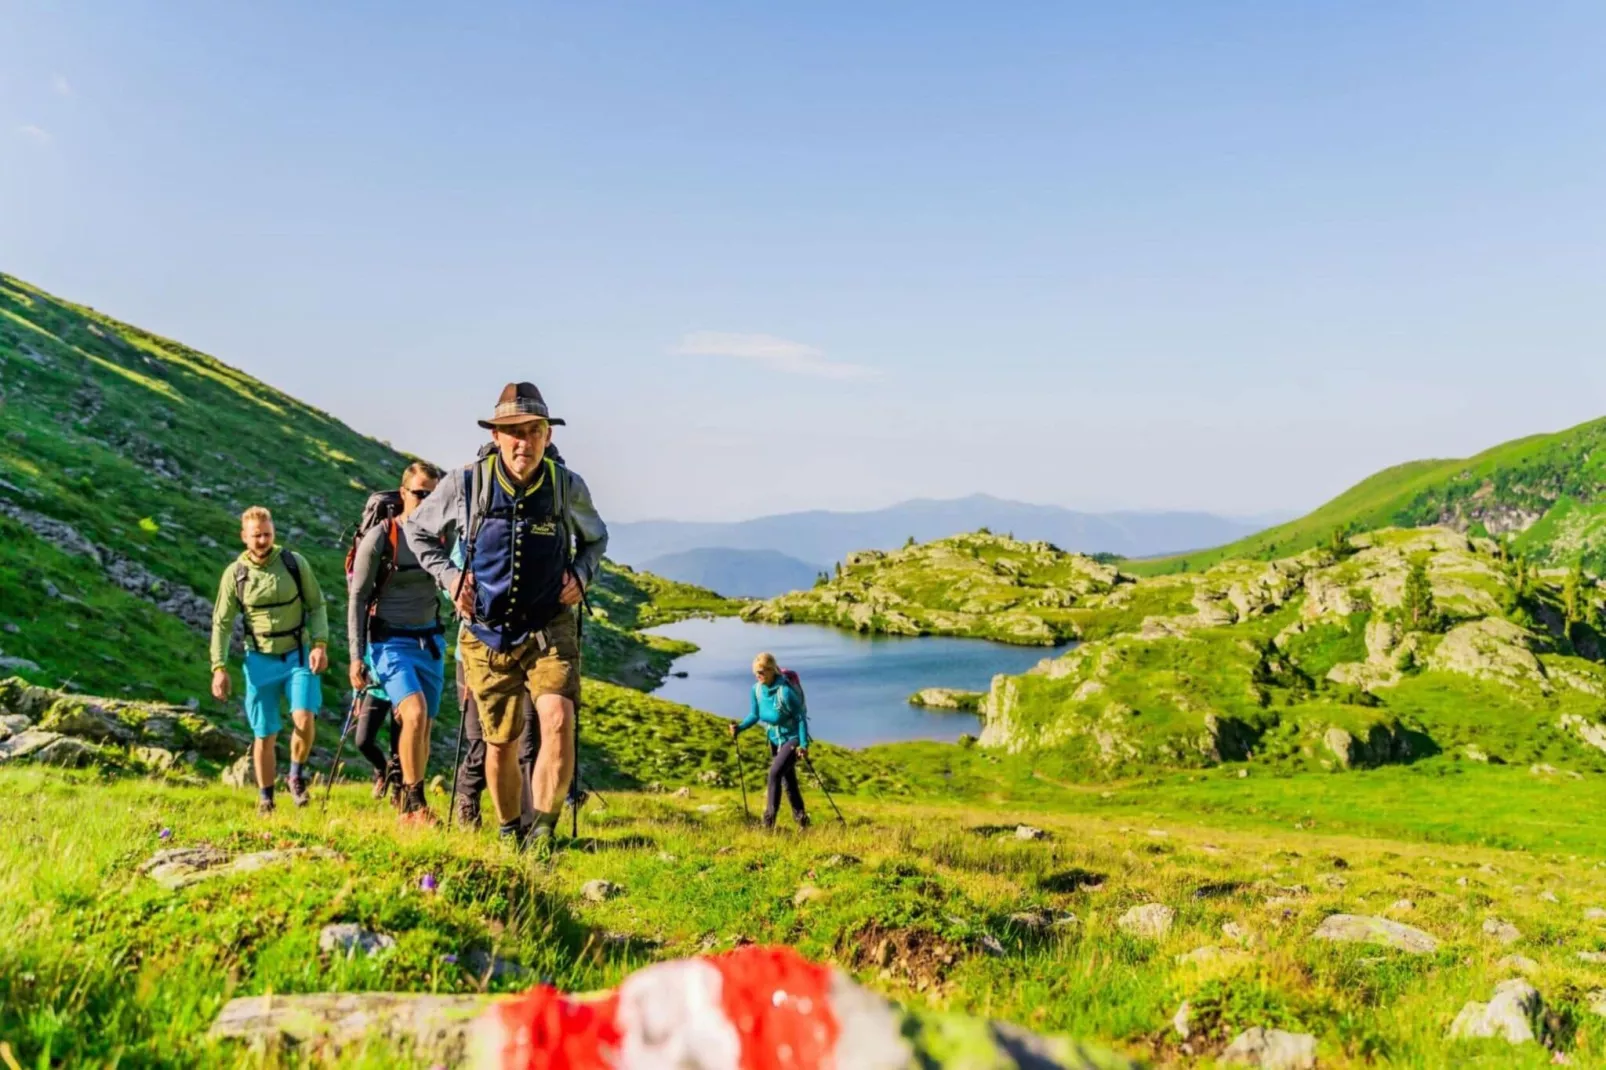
270,587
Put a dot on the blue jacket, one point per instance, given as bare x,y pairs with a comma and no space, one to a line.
782,711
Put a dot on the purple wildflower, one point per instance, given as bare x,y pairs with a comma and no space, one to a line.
427,882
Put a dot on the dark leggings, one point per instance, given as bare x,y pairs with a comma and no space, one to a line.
373,712
783,773
471,774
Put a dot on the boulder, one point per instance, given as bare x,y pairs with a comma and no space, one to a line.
598,891
488,967
242,774
11,724
26,744
1150,921
69,753
1272,1049
155,759
86,720
350,939
807,893
1515,1015
1363,929
1493,649
1028,832
1502,932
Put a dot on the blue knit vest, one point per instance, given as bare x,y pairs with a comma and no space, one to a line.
519,560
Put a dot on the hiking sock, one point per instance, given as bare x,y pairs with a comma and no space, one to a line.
546,820
413,797
510,830
265,794
298,771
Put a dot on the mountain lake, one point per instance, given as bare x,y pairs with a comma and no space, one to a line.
858,686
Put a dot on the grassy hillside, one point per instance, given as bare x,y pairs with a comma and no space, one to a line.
125,463
937,904
1546,491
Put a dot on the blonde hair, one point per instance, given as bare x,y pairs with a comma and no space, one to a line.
421,468
766,663
257,513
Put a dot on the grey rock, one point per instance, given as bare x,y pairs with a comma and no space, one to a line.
11,724
597,891
1501,931
85,719
1363,929
709,808
1513,1015
8,664
186,866
26,744
1594,958
1518,964
1402,906
69,753
991,945
488,967
1595,914
1272,1049
242,774
157,759
1151,921
1182,1021
1548,896
1027,832
350,939
681,793
12,629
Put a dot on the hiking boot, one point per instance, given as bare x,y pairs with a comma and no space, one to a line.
298,790
468,812
264,806
415,811
540,843
802,820
381,784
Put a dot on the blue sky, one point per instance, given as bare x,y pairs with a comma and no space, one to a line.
1229,256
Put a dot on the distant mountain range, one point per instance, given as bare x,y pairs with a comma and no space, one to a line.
736,573
816,539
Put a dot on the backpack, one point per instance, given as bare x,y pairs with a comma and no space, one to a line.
382,507
242,573
796,684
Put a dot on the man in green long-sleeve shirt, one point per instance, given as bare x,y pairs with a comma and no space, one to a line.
286,641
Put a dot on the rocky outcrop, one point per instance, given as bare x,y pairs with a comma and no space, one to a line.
133,577
1382,744
1515,1015
1491,649
48,726
947,698
1360,929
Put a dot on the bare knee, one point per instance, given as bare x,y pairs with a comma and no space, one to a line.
411,712
557,720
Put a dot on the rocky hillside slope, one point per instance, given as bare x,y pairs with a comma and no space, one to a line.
1393,646
125,462
1546,493
978,585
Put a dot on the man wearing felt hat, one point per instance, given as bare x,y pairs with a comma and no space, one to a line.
532,543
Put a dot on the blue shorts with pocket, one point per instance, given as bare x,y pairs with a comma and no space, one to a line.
410,665
271,677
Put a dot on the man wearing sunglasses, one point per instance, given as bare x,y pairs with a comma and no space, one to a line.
393,614
534,541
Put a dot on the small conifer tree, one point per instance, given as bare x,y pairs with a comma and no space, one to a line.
1420,612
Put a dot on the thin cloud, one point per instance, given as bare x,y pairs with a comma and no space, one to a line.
34,133
777,354
60,84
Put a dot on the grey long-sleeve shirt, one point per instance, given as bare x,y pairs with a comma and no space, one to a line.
409,599
443,518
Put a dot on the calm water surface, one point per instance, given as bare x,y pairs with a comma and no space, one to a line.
858,686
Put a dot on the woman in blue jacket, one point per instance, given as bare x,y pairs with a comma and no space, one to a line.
777,703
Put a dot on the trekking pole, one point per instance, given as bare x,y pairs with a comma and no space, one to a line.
457,759
820,782
741,776
334,767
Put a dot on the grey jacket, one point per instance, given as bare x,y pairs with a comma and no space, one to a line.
409,599
442,519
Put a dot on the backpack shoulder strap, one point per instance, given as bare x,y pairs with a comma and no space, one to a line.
478,495
292,565
241,574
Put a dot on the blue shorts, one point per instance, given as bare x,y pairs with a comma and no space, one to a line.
271,677
404,666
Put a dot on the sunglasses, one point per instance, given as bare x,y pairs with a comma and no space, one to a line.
419,494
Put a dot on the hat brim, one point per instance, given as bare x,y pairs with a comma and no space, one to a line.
515,421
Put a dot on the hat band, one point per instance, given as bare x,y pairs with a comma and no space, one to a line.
520,407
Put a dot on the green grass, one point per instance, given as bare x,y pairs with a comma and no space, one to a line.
89,940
